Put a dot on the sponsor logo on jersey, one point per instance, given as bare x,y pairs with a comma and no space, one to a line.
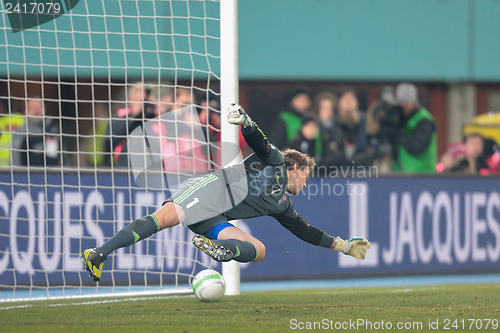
283,199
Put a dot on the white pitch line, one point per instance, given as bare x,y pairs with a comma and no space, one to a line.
114,300
94,302
16,307
362,290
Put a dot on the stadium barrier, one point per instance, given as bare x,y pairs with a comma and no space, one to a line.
416,226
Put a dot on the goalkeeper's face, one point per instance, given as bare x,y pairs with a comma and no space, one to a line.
297,179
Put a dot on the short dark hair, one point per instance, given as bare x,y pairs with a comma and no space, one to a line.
299,90
293,156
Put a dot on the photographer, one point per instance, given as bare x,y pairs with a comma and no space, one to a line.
138,108
383,119
415,141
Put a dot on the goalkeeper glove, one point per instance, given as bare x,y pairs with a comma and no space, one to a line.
237,116
355,247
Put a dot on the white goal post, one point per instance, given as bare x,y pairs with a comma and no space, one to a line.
229,94
69,87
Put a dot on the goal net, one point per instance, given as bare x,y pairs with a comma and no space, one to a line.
76,78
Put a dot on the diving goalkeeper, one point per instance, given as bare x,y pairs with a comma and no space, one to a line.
269,177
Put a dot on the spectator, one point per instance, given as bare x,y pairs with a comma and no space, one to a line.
210,119
474,149
182,138
350,146
183,97
475,155
165,100
415,142
307,140
290,122
188,150
494,163
128,119
454,160
38,141
96,144
210,116
491,154
324,107
9,124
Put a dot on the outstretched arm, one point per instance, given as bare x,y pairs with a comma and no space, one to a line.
304,231
254,136
290,219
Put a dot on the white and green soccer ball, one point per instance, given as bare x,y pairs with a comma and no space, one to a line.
209,285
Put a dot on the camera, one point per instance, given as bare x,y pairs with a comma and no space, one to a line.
388,115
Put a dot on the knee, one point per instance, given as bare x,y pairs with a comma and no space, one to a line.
261,251
169,214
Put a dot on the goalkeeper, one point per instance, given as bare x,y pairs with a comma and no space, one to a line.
269,177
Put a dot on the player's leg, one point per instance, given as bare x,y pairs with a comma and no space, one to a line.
142,228
236,236
169,215
223,242
190,197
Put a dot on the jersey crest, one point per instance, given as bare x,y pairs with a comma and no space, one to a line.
283,199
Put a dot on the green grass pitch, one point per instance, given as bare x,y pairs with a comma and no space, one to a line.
444,308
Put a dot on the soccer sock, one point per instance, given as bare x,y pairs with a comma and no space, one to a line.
243,251
138,230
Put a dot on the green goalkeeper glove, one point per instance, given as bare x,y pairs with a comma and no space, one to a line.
237,116
355,247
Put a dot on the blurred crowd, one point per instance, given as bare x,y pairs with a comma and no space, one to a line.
36,139
395,134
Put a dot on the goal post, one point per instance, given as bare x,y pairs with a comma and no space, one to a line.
69,87
229,94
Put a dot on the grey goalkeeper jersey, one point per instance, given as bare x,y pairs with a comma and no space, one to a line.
267,180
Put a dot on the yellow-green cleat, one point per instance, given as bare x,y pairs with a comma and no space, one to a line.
93,262
215,251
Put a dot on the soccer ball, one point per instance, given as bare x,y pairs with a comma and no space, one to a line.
208,285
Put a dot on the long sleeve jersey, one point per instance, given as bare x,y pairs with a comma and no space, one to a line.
267,181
